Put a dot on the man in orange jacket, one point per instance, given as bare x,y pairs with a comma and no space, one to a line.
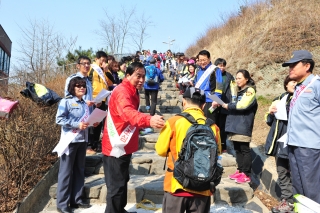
176,197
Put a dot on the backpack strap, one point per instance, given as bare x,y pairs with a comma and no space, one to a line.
209,122
187,116
190,118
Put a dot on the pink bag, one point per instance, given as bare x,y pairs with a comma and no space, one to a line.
6,107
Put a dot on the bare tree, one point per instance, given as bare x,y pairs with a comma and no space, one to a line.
40,47
139,34
115,29
110,33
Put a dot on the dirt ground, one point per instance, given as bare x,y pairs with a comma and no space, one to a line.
260,131
260,128
266,199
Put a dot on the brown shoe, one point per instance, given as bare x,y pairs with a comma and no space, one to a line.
90,151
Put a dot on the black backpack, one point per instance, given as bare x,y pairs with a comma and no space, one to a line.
196,167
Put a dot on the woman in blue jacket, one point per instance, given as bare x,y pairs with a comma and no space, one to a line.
72,115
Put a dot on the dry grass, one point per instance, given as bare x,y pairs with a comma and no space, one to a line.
263,34
27,139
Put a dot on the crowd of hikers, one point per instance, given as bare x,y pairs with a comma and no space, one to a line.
218,116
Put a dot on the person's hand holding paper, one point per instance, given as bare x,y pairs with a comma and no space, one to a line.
281,113
215,98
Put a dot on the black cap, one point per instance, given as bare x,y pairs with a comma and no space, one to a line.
297,56
190,91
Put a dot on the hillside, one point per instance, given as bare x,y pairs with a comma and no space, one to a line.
261,36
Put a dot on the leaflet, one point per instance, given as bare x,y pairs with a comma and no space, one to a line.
96,116
102,95
183,80
281,113
215,98
284,140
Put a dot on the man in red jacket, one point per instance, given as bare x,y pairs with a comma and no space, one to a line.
121,135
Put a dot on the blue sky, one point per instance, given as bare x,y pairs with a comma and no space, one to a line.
183,21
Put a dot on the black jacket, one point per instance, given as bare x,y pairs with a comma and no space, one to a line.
226,96
277,130
240,120
47,99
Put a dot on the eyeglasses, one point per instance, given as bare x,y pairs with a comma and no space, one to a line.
81,85
85,64
203,60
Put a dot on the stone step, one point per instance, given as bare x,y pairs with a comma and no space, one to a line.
147,142
139,187
163,109
164,102
168,82
253,206
231,192
151,187
164,95
146,161
166,116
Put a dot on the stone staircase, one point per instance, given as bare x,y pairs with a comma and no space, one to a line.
146,169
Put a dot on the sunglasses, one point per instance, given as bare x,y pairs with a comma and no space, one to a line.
81,85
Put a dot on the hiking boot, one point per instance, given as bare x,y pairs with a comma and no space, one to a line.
243,179
235,175
284,206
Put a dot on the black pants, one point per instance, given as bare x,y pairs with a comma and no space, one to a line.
305,172
182,87
153,94
174,204
71,175
96,131
222,125
283,170
116,173
212,115
243,157
172,74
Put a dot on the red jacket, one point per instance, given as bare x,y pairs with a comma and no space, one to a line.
123,106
